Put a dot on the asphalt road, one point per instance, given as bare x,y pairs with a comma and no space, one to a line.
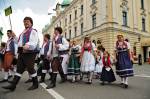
139,88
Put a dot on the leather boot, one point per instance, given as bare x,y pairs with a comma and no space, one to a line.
12,86
42,78
53,82
35,84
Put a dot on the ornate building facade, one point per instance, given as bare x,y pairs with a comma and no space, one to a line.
103,20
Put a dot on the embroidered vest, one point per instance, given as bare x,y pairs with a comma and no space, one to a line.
46,48
12,46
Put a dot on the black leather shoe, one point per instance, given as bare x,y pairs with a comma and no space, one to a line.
4,80
103,83
51,86
41,81
88,82
33,87
11,82
125,86
9,77
11,87
62,81
28,81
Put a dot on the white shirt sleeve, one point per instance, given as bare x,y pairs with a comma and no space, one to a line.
64,45
50,48
128,45
42,50
33,40
94,46
16,48
16,40
79,48
20,41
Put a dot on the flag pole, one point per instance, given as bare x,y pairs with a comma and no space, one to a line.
10,22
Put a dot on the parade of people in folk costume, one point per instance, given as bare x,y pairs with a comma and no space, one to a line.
74,61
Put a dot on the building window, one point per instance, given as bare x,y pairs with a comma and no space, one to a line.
75,31
65,35
81,28
70,18
81,9
94,20
93,1
69,34
124,18
143,24
142,4
66,22
75,14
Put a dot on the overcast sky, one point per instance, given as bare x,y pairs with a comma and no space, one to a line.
37,9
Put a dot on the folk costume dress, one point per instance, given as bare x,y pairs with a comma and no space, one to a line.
74,64
88,60
107,71
99,65
124,67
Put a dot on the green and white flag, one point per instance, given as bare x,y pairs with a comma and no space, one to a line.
8,11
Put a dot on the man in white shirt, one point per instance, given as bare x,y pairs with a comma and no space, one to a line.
27,49
44,55
8,56
60,48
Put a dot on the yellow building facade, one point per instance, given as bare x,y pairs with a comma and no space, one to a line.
103,20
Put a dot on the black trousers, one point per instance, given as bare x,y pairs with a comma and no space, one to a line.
26,62
46,64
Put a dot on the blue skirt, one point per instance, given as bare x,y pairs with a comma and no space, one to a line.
124,67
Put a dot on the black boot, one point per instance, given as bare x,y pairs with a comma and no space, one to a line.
53,82
42,78
35,84
63,78
65,75
50,74
12,86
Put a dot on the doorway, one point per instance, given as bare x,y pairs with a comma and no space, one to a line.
145,48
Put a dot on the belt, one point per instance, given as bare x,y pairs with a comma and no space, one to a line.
122,50
63,52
